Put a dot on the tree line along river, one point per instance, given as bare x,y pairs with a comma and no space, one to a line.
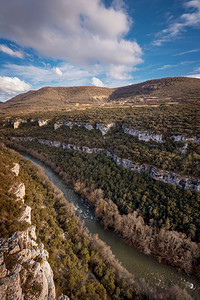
140,265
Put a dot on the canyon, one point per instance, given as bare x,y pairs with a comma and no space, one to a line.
185,182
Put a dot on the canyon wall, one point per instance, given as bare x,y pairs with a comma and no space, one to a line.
24,270
185,182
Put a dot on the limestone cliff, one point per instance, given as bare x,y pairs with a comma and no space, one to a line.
24,270
186,182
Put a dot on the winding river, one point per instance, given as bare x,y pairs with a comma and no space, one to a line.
140,265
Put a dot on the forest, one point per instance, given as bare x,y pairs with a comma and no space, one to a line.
83,266
168,155
159,219
148,214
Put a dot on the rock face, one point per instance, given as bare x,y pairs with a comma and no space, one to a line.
26,215
24,270
104,128
143,135
186,182
15,169
182,138
42,122
183,150
16,124
71,124
20,192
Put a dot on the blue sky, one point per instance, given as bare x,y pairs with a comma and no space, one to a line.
96,42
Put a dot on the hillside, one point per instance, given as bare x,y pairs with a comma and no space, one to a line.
136,163
167,89
36,224
56,98
157,91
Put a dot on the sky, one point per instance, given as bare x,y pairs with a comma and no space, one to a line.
107,43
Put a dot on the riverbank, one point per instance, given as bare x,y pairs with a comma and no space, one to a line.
142,266
110,217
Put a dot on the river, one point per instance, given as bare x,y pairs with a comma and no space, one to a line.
140,265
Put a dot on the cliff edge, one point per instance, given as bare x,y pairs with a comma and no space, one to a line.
24,270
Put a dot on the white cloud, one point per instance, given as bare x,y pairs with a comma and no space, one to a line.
47,75
174,30
182,63
97,82
195,73
10,86
71,75
194,76
58,71
82,32
9,51
120,72
187,52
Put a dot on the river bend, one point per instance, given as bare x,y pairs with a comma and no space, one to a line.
140,265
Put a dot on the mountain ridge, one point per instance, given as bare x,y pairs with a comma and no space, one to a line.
156,91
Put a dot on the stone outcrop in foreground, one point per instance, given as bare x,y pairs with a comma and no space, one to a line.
24,270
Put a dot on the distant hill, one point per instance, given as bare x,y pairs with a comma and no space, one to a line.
56,98
171,88
151,92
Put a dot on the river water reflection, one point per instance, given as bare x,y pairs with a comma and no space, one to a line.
142,266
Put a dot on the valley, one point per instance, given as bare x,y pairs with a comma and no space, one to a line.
132,154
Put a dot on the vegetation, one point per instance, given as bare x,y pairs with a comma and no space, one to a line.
107,182
10,209
172,90
83,266
161,205
159,219
168,121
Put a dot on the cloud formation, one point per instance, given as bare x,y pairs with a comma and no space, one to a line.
9,51
82,32
174,30
9,86
97,82
182,63
58,71
44,75
186,52
71,75
195,73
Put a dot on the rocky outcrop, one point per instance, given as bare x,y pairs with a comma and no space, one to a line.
24,270
104,128
17,122
63,297
184,139
42,122
71,124
183,149
145,136
15,169
185,182
20,192
26,215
